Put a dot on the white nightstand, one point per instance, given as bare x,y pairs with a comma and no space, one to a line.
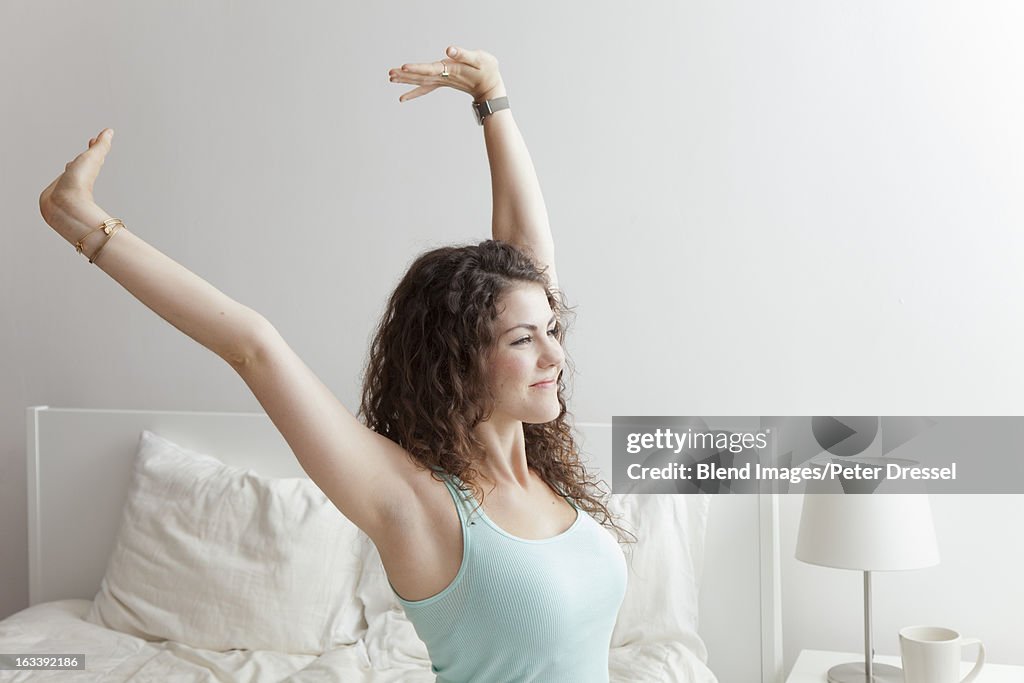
811,666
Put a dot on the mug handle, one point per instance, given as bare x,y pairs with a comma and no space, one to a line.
981,658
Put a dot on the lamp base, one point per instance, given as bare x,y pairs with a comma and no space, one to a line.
855,672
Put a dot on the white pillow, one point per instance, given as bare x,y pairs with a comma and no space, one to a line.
664,570
218,558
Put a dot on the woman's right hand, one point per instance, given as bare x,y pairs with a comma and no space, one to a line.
67,204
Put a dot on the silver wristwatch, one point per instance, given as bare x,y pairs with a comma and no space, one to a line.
484,109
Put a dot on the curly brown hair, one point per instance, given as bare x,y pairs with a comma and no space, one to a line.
425,384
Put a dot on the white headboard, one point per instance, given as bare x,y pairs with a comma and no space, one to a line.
80,464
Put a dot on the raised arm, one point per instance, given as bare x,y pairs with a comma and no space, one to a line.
366,476
519,215
177,295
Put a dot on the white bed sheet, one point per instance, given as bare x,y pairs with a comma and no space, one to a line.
58,627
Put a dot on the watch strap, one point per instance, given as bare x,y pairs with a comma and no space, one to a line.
488,107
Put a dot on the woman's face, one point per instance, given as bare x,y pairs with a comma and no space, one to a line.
526,352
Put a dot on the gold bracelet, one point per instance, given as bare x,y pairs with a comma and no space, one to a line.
112,233
109,227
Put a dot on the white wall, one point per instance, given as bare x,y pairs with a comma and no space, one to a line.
760,208
975,589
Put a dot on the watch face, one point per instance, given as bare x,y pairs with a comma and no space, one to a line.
476,114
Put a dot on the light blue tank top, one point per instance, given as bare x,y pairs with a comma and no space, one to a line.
521,610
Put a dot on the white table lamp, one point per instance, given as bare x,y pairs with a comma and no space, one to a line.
867,532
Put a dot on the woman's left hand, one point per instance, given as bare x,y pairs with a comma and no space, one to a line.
471,71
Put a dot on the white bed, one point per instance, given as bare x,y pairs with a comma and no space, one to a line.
80,469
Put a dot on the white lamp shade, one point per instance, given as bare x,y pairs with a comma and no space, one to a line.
871,532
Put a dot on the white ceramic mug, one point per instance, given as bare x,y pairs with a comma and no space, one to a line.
932,654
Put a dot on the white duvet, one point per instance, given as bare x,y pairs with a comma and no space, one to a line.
58,628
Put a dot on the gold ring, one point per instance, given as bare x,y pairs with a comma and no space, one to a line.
444,71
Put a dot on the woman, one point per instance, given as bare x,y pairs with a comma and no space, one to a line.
463,391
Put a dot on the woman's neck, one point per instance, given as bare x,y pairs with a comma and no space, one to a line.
503,463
